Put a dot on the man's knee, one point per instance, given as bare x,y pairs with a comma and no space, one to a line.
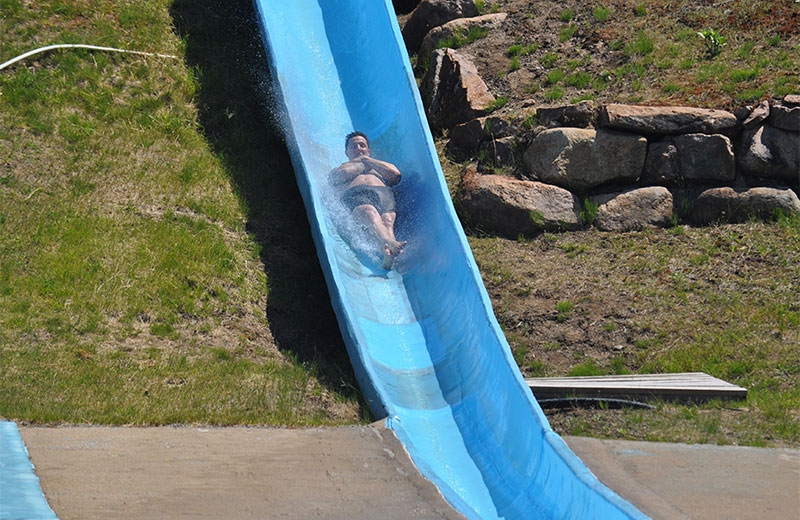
367,211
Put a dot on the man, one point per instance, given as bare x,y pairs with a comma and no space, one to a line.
365,183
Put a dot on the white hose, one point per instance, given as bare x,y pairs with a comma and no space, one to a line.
80,46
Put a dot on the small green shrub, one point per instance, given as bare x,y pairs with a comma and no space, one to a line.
461,37
514,64
548,60
498,103
642,45
640,10
713,41
589,213
579,80
587,368
601,13
563,310
554,76
567,32
566,15
554,94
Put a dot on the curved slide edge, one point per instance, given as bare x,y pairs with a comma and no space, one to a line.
423,340
20,493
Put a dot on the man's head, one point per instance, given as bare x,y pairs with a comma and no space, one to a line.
356,145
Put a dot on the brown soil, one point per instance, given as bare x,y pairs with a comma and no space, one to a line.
676,71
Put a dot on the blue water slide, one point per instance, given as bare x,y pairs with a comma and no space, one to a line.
425,345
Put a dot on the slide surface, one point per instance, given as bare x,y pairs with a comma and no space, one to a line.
425,345
20,494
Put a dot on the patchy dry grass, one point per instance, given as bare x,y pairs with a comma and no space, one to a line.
643,52
719,300
141,280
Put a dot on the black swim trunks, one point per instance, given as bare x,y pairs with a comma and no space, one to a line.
380,197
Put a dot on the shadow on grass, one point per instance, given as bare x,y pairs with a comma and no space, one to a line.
223,47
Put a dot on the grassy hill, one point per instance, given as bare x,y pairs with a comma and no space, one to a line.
156,266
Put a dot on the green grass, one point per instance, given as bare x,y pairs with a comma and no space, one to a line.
137,282
601,13
462,37
719,300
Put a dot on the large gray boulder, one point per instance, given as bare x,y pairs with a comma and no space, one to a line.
666,120
751,117
785,117
580,115
469,136
689,158
433,13
770,152
581,158
459,25
703,157
728,204
634,209
452,90
510,206
500,152
661,167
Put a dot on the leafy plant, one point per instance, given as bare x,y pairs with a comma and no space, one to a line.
640,10
514,64
563,310
548,60
461,37
567,32
498,103
554,94
601,13
566,15
713,40
589,213
554,76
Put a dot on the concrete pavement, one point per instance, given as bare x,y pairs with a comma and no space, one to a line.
364,472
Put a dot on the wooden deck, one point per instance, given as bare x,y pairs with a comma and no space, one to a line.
691,386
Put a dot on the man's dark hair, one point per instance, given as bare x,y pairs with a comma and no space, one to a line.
355,134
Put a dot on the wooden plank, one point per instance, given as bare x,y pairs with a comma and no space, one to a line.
690,386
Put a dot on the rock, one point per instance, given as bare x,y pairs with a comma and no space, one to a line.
786,118
510,206
468,136
661,166
666,120
752,117
581,115
463,25
731,205
404,6
580,158
433,13
704,157
500,151
770,152
791,100
452,90
638,208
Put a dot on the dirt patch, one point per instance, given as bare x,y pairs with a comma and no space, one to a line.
552,53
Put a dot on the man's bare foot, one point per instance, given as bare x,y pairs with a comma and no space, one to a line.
390,253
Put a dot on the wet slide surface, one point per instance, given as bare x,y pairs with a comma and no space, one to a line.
20,494
423,340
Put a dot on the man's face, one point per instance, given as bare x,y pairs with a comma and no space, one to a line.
356,147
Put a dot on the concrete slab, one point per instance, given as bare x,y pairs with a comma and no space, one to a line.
232,473
702,482
364,472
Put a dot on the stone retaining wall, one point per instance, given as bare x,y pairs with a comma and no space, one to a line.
634,167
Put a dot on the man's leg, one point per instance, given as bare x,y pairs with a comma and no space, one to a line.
369,217
383,228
